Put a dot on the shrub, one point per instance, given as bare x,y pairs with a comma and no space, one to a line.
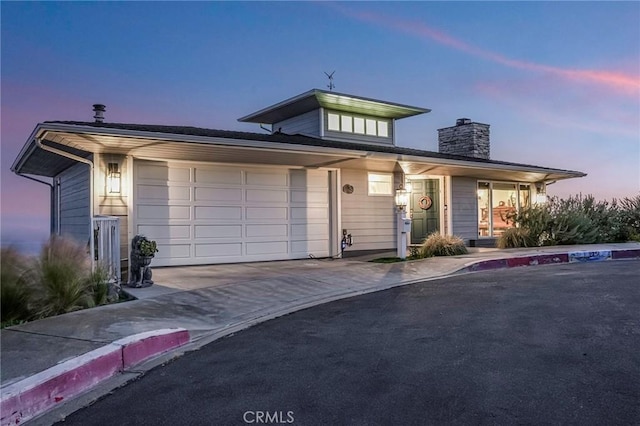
514,238
15,290
630,216
64,273
442,245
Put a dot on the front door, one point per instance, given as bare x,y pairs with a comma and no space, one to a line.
424,208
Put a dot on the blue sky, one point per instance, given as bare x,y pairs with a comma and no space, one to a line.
559,82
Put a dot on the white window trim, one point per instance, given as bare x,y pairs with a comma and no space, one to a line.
490,212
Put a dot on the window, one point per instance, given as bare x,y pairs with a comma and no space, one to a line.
363,126
380,184
358,125
383,129
333,122
497,202
347,123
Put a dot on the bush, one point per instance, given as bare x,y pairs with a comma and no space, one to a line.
15,291
442,245
64,273
630,216
514,238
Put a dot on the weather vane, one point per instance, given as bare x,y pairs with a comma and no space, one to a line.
330,77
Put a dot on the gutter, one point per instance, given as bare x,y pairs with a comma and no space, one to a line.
39,144
51,199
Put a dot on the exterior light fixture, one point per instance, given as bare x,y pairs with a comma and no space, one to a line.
402,198
114,181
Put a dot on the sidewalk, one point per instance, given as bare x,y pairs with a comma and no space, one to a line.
210,302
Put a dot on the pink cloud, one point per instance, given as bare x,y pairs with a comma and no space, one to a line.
623,83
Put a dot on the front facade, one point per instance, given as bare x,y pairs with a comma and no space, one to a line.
329,166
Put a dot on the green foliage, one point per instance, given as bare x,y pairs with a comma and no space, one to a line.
59,280
514,238
579,220
64,273
148,247
442,245
16,293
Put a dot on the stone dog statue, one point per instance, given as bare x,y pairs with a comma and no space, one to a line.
140,271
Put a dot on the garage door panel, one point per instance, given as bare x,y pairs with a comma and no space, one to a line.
218,194
267,196
266,178
219,175
166,231
171,251
218,213
268,247
163,212
203,214
275,213
218,231
163,192
218,250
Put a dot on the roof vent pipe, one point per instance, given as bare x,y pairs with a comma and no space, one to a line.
99,110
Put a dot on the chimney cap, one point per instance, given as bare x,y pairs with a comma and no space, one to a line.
99,110
461,121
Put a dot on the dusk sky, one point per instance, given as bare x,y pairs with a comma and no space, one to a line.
559,82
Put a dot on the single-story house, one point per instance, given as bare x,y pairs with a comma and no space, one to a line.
328,165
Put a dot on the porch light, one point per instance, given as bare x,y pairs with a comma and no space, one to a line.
113,179
402,197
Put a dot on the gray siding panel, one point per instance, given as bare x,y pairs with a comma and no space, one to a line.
304,124
464,213
369,219
74,203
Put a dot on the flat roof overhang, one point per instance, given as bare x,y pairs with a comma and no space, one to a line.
316,98
85,140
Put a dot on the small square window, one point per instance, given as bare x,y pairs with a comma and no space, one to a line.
347,123
333,122
380,184
358,125
371,127
383,129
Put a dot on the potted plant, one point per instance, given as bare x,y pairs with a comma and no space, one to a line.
148,248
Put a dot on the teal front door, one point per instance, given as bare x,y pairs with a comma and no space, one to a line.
424,208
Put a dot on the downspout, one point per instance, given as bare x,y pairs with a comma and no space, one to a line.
51,202
91,166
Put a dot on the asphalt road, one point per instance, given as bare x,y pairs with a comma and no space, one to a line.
556,344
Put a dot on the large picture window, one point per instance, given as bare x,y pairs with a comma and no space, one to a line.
497,201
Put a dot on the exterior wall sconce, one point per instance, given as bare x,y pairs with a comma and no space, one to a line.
114,181
402,198
541,193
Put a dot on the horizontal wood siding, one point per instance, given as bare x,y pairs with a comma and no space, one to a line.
369,219
74,202
464,207
304,124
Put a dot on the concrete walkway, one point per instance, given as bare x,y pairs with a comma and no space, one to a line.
214,301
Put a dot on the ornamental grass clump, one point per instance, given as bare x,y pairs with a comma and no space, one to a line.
442,245
515,238
63,271
15,290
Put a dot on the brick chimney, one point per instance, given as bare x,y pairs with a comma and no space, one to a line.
465,138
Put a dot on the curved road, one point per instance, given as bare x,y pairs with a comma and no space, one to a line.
551,344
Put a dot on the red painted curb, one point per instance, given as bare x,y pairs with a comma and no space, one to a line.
39,393
136,352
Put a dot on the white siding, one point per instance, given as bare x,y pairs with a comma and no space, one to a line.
73,217
371,220
201,214
464,211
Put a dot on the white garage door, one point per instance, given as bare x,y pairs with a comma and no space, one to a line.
202,214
